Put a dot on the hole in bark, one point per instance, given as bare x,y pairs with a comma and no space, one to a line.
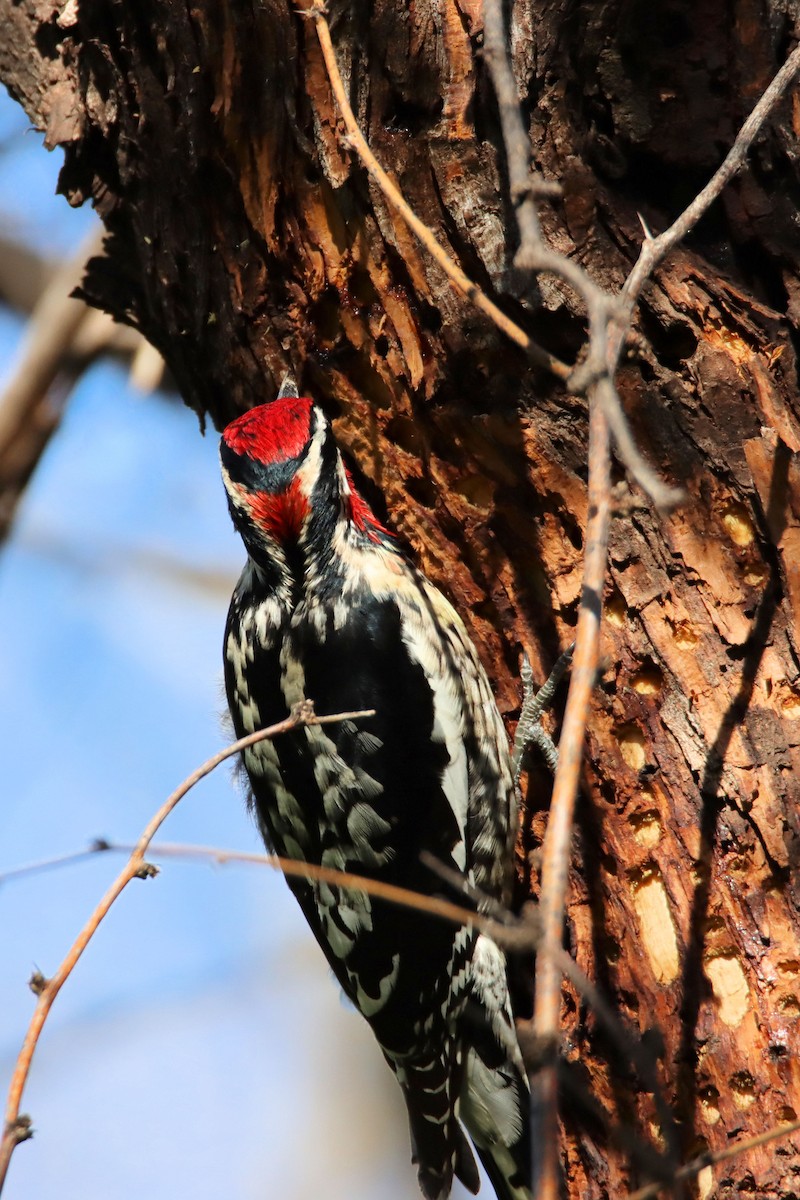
673,344
755,576
573,532
612,949
405,433
48,38
422,490
616,609
648,680
709,1103
743,1089
432,318
607,791
326,318
569,615
360,287
403,115
787,1113
656,924
729,985
646,828
737,524
631,745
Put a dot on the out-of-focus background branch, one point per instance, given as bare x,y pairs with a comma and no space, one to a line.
63,336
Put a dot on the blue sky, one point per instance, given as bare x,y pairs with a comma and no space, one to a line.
201,1047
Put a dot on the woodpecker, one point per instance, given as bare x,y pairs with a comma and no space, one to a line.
329,609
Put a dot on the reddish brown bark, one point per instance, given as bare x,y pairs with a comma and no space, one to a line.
244,240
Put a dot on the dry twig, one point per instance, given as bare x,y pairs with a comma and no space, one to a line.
515,934
523,185
558,842
460,280
18,1127
655,249
711,1158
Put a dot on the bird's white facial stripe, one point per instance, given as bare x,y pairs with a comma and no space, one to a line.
310,469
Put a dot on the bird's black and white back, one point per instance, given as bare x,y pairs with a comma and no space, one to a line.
328,609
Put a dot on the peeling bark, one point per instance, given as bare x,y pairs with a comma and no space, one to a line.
243,240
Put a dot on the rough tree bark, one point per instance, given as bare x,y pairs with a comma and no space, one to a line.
243,240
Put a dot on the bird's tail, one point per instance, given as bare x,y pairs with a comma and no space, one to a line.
495,1107
439,1145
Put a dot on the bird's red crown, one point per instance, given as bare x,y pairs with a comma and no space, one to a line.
272,433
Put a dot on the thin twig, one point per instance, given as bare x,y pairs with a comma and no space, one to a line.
558,840
662,494
17,1128
466,286
515,934
50,864
710,1158
489,915
655,249
455,914
515,136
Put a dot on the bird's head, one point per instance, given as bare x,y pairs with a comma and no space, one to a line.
270,461
284,475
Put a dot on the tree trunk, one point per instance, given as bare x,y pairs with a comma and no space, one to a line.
245,239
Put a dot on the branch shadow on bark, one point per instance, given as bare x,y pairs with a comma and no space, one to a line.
694,983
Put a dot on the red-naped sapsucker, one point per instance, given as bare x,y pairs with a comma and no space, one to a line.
329,609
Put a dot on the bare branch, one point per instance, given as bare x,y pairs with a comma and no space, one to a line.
25,276
51,329
663,496
711,1158
558,840
17,1128
516,137
516,934
655,249
462,282
49,864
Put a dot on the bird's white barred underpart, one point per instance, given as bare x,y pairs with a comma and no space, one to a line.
328,608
